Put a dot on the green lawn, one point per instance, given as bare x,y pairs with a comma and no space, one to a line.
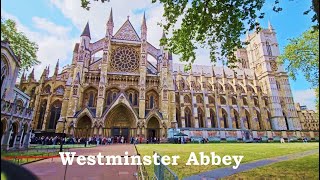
302,168
250,152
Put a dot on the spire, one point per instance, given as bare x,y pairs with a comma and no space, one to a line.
110,17
270,26
86,31
163,35
47,72
110,24
44,71
31,75
57,68
144,22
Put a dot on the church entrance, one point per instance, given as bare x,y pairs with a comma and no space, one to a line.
120,122
153,129
84,127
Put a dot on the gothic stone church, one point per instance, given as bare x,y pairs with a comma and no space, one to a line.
122,93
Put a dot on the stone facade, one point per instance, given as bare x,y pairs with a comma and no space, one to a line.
309,119
121,92
16,115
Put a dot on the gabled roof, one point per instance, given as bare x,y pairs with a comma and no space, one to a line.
127,32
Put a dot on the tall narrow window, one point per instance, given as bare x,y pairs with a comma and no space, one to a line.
109,98
212,115
135,99
91,99
151,102
269,51
130,98
41,115
188,118
54,115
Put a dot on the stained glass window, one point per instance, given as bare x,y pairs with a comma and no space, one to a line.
125,59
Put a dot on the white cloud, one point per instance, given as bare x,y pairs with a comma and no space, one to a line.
305,97
53,41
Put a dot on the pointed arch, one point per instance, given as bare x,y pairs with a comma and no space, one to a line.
213,119
201,118
224,122
188,116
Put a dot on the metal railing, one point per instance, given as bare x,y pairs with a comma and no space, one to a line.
163,172
142,173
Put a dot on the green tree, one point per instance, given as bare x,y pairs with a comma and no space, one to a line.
217,24
22,47
302,54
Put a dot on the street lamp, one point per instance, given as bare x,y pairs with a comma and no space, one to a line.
64,126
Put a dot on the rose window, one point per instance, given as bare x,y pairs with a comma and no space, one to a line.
124,59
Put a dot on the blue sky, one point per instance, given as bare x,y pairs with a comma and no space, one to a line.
55,25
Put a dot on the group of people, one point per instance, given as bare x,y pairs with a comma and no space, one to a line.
93,140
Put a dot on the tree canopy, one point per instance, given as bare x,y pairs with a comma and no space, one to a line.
302,54
22,47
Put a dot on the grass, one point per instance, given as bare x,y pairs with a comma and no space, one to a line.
301,168
250,152
37,150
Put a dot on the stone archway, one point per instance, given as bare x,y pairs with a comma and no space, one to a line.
153,129
120,121
3,127
14,133
83,127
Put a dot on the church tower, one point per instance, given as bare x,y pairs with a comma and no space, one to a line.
262,53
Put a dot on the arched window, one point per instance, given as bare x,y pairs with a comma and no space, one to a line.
135,102
41,115
234,100
91,100
178,117
90,97
248,119
269,51
151,102
187,117
60,90
47,89
187,99
54,114
223,100
109,98
211,100
114,96
130,98
199,99
200,118
225,118
212,118
4,70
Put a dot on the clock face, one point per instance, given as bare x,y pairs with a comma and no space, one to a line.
124,59
274,66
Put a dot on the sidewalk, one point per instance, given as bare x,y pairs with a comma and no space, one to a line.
228,171
52,169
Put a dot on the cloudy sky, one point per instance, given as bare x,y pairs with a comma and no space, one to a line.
55,25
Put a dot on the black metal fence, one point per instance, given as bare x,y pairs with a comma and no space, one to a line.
163,172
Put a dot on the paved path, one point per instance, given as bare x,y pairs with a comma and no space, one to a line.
228,171
52,169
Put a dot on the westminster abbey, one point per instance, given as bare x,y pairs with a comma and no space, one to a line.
122,93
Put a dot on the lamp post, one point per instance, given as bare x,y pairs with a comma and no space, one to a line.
64,126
